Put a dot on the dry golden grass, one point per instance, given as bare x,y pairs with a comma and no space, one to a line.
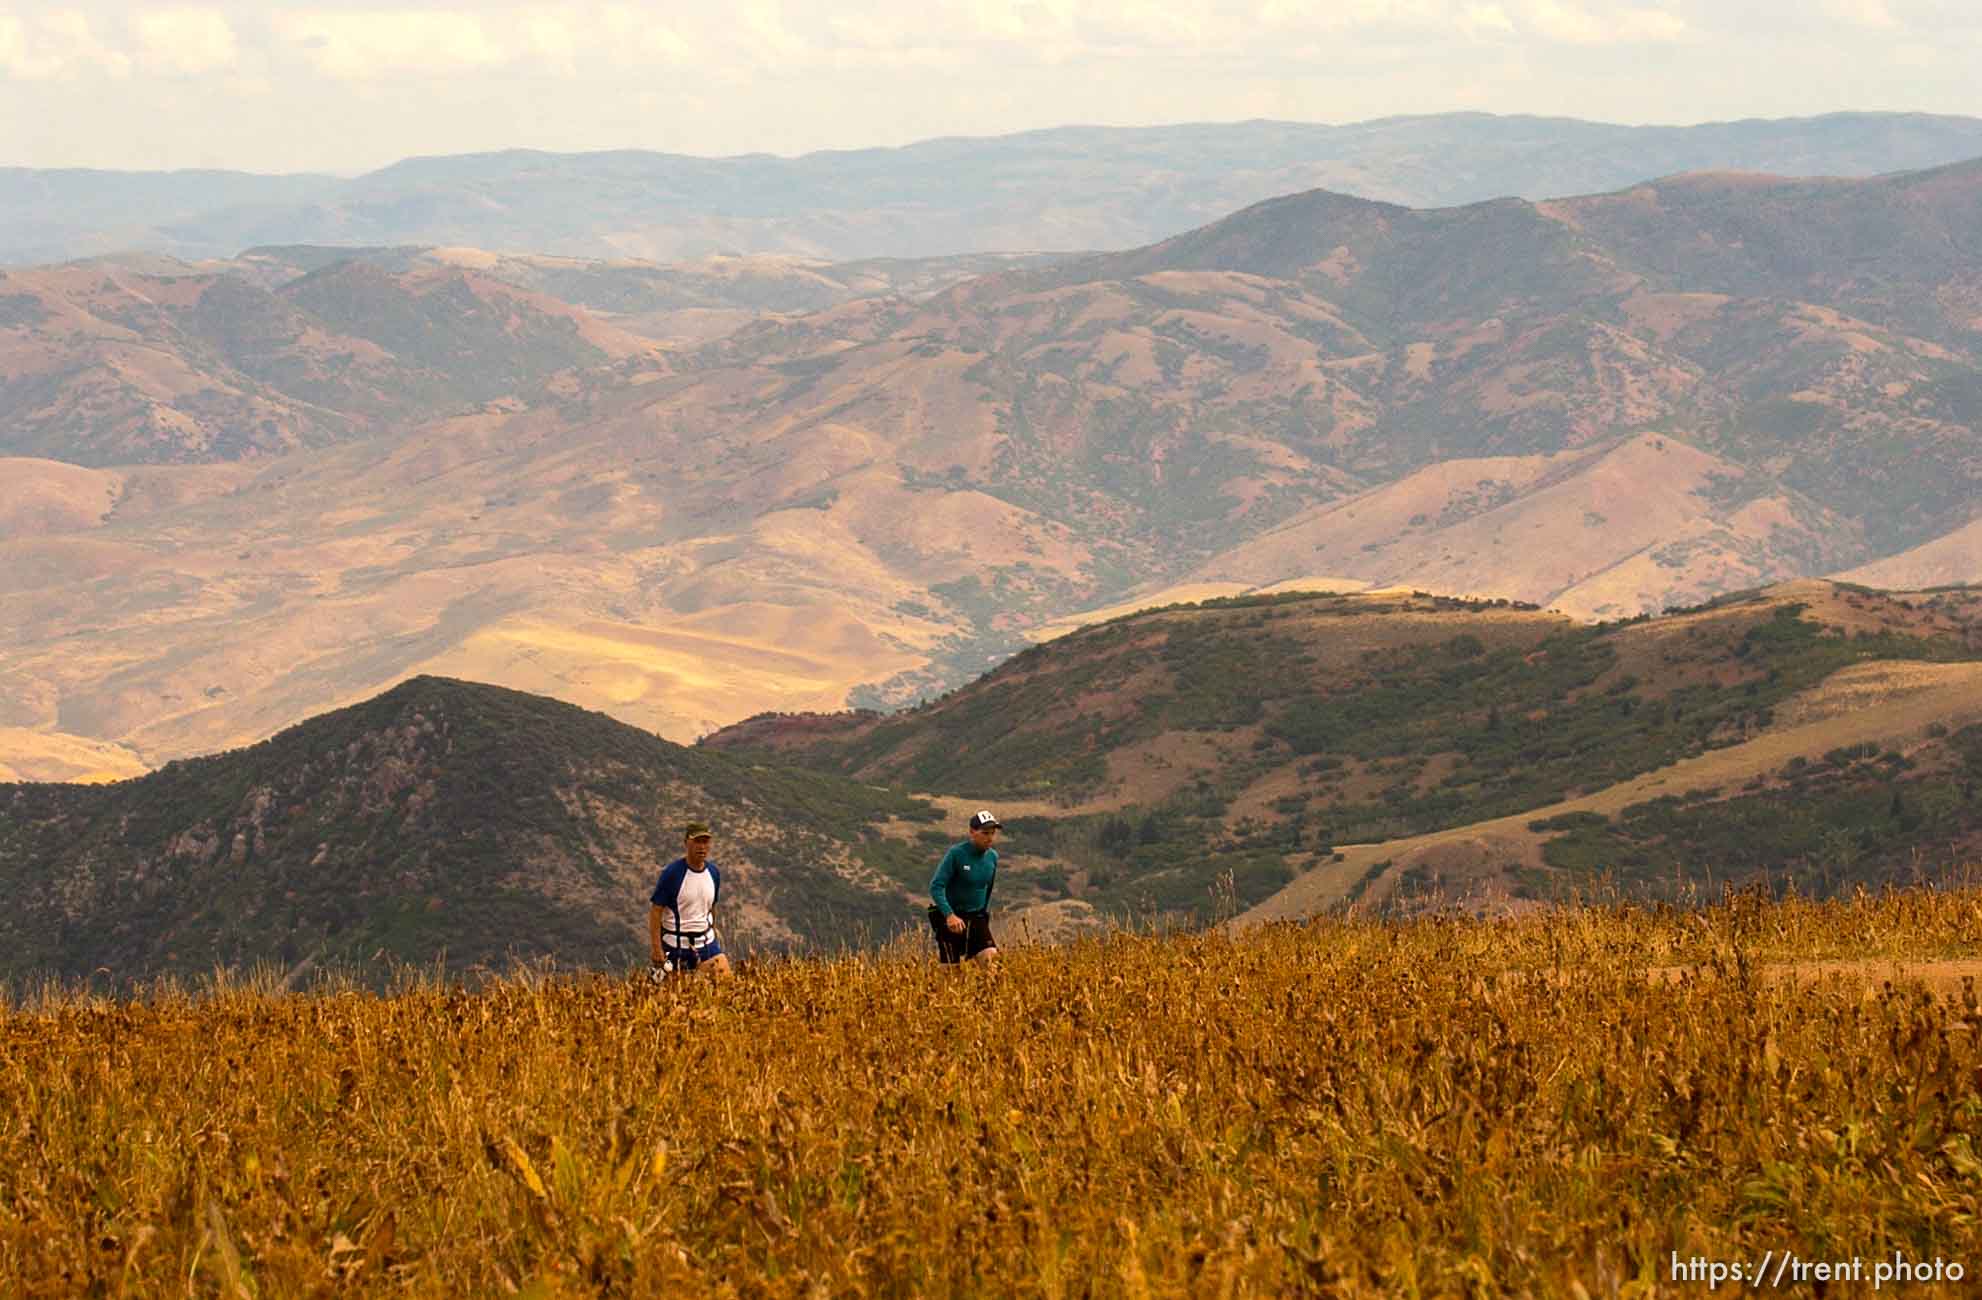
1591,533
1440,1108
1182,593
45,496
1952,557
684,676
51,756
1172,595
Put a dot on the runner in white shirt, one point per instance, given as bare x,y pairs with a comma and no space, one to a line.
681,921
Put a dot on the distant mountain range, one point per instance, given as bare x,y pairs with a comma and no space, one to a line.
1606,404
1056,190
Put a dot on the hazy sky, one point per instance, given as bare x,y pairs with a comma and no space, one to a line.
349,86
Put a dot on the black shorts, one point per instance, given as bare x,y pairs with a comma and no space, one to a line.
976,936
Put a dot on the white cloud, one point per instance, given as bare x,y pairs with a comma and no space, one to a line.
1652,25
13,46
1862,13
1570,22
769,36
57,45
378,43
1055,31
1486,18
251,85
185,42
1355,13
636,35
997,21
550,39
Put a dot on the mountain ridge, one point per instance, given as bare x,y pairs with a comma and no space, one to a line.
1057,189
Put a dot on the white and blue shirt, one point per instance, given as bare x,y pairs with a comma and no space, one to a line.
691,897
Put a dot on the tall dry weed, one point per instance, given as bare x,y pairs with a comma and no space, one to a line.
1443,1107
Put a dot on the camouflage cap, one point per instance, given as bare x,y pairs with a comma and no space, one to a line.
694,831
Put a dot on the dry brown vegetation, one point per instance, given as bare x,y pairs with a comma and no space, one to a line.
51,756
1595,532
1950,558
1444,1107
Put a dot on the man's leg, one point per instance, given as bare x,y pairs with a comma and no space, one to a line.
983,947
711,957
949,947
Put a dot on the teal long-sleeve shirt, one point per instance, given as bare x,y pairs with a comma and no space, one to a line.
962,882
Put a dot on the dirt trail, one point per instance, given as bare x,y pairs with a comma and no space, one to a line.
1885,703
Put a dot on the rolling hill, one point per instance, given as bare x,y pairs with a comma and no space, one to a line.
678,304
1400,745
443,821
1599,532
1953,557
102,365
1064,189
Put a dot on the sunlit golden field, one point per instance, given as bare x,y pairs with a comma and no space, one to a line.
1549,1105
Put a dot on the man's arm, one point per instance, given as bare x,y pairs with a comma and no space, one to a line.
939,884
667,890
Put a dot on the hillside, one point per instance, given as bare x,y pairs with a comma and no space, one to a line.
440,822
1173,758
1185,397
1733,312
102,365
1953,558
1599,532
679,304
1063,189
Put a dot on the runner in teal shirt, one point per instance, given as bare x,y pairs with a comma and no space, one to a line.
961,889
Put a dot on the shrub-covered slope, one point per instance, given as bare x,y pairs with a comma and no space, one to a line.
442,820
1226,746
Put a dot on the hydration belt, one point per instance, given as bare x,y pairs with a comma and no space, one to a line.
685,956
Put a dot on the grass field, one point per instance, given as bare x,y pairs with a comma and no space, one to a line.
27,755
1545,1105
